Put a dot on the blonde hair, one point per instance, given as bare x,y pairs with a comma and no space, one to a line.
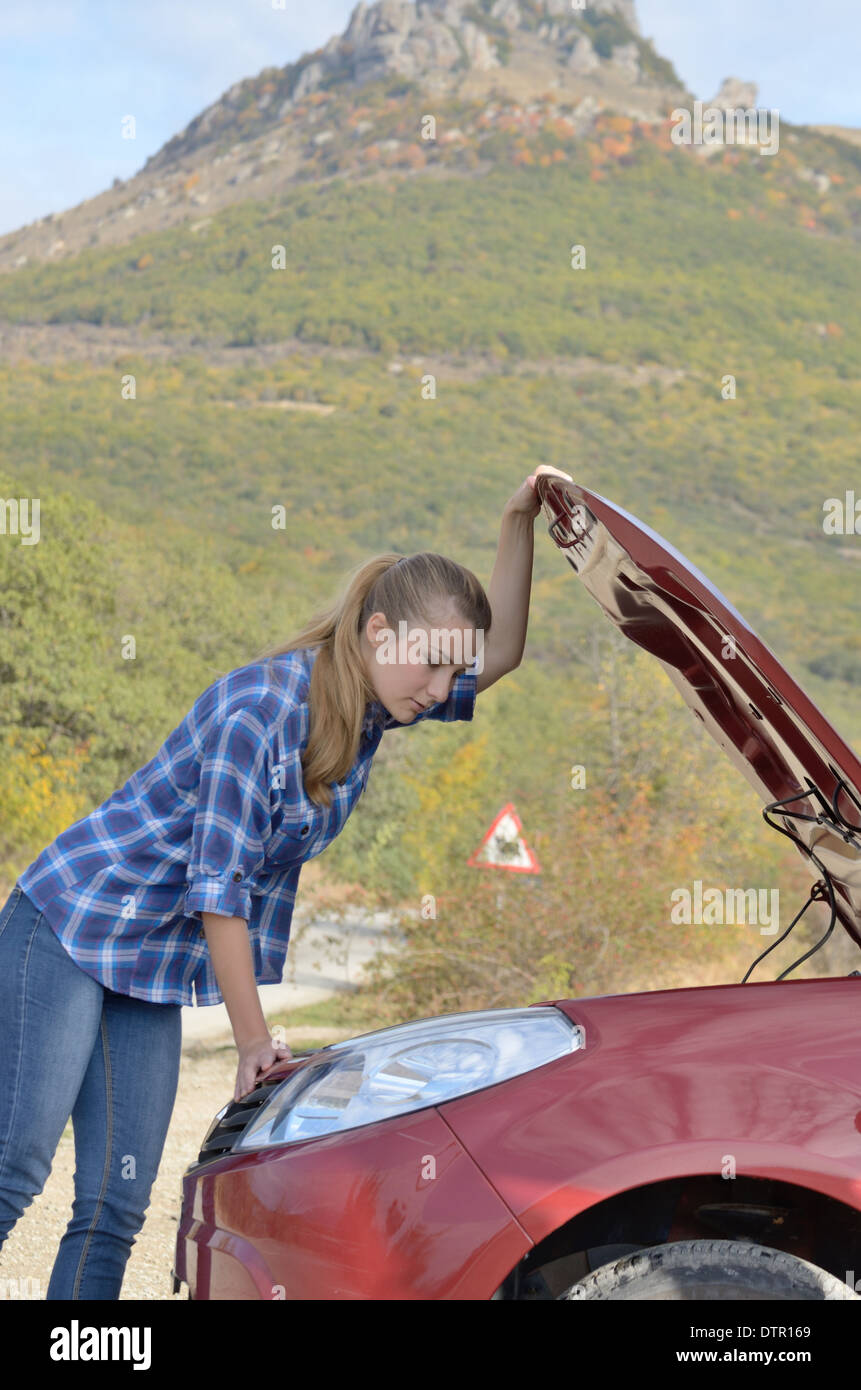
339,689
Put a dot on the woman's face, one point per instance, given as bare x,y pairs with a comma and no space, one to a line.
413,664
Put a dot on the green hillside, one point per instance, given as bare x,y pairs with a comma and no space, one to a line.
157,510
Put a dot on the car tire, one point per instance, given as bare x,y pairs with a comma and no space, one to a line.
709,1269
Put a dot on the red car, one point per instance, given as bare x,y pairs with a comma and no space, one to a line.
688,1143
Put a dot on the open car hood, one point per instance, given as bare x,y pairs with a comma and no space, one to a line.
767,726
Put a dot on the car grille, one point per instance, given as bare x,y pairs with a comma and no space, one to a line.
238,1115
224,1132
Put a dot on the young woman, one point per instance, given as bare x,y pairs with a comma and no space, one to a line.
180,887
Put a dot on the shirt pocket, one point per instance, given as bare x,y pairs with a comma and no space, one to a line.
298,832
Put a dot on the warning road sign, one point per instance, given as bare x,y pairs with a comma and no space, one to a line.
504,847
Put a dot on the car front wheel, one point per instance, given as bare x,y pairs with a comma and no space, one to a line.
709,1269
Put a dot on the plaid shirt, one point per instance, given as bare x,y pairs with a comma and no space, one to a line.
217,821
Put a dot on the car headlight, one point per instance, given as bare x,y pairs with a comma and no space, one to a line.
408,1067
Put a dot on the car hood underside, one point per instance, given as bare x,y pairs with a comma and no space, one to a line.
734,685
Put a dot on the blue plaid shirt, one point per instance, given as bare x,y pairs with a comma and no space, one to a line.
217,821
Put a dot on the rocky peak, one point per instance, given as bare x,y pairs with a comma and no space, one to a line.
447,44
470,49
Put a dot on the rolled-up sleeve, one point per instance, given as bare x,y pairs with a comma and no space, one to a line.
232,820
460,703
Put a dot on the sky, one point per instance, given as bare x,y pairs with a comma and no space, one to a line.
70,70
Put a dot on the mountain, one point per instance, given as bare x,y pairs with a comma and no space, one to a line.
265,131
473,64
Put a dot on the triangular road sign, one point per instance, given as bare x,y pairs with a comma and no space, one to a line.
504,847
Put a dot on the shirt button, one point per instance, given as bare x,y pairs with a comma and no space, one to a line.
305,829
237,876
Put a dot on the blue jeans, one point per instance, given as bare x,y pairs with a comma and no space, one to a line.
71,1046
